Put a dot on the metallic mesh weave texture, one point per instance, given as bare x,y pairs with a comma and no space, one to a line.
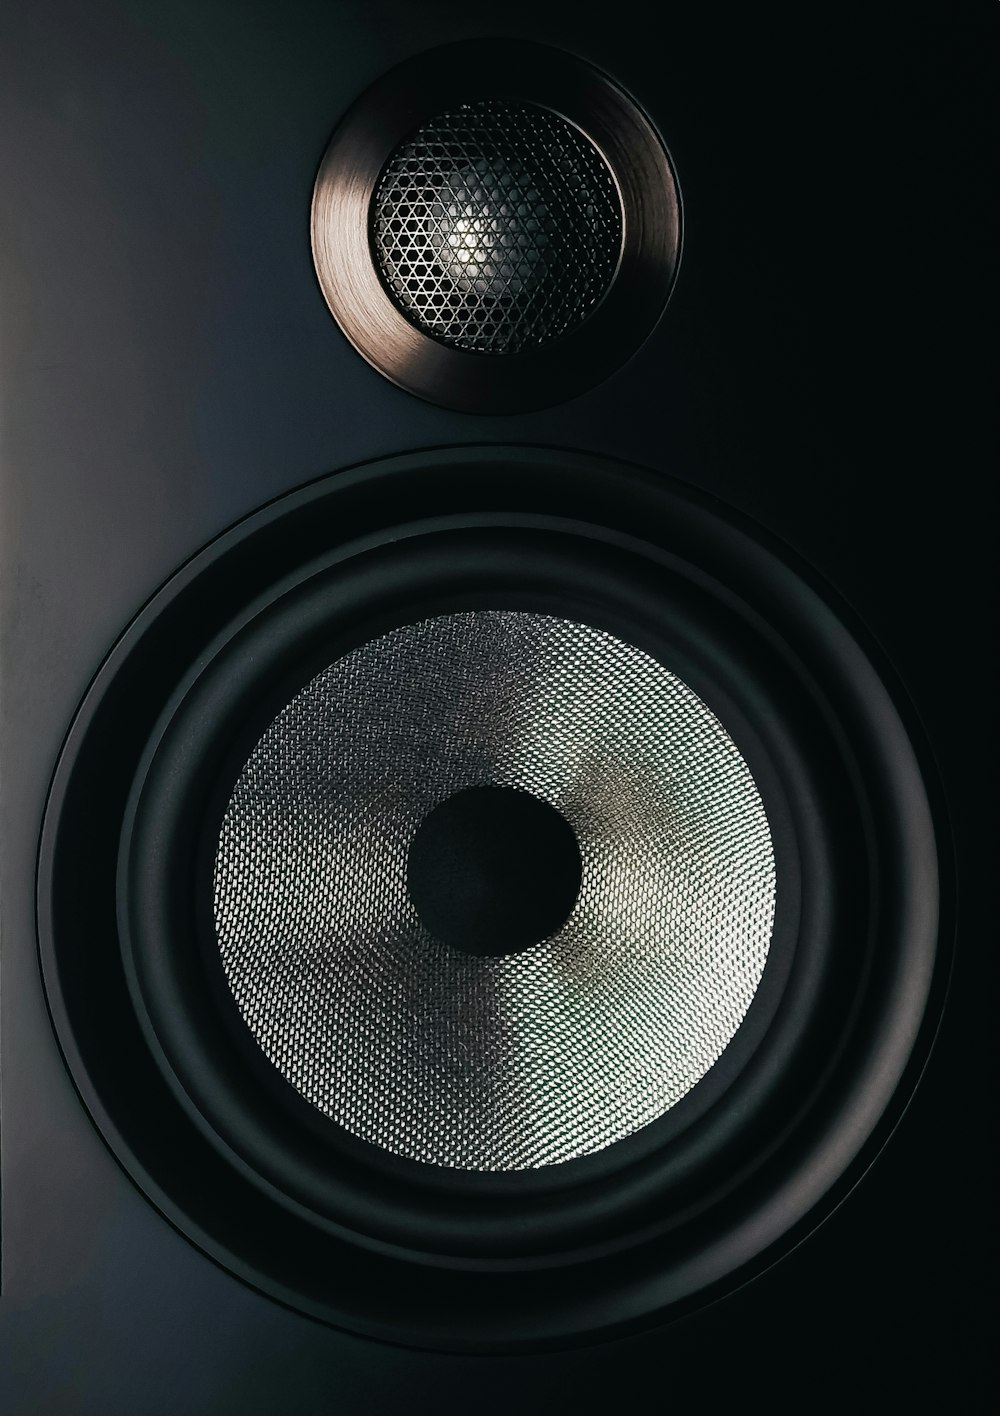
501,1063
497,227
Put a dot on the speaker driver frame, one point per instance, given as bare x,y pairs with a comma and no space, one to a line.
742,1167
416,92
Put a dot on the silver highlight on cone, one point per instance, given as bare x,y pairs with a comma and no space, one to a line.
513,1062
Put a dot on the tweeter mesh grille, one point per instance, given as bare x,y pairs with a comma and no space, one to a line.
499,247
497,227
554,1052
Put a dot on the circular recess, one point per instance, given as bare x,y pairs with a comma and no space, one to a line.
545,1054
493,870
495,227
749,968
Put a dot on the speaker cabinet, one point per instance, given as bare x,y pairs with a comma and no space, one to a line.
494,837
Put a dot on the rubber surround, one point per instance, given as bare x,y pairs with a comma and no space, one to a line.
755,1154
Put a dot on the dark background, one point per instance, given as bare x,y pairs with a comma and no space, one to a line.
168,365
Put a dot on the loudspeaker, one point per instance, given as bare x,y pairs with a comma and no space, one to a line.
495,807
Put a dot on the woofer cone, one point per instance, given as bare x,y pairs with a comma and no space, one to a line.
389,1014
425,1253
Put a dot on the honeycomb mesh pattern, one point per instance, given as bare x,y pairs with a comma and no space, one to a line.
498,1063
497,227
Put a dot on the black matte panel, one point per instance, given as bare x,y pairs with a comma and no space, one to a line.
168,366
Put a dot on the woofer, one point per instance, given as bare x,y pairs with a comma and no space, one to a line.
757,907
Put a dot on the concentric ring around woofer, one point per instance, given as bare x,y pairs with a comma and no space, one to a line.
416,1250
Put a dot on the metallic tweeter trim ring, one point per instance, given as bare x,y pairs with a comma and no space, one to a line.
417,92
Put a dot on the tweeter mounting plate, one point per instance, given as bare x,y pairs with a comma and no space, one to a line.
544,215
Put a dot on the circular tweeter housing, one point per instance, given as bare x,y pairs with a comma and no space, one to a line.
496,227
482,927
